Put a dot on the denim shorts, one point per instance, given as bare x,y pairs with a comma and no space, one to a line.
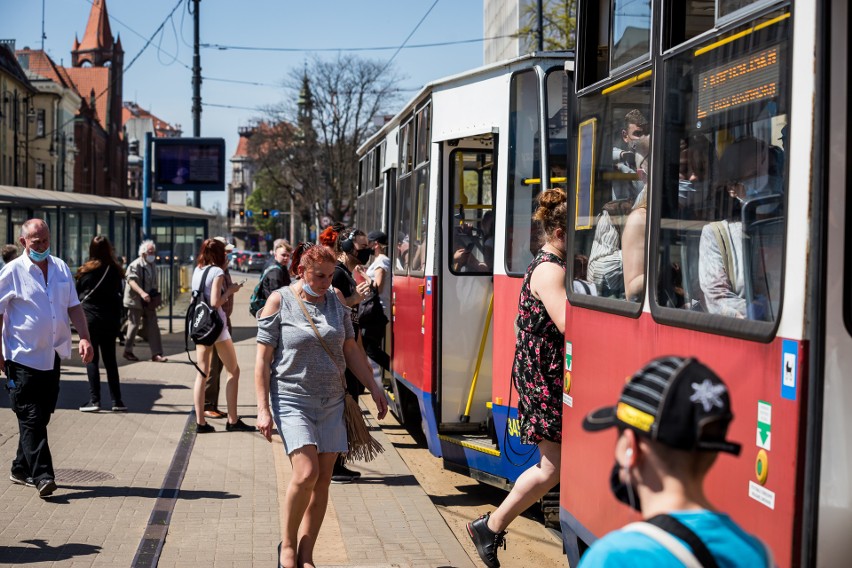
310,421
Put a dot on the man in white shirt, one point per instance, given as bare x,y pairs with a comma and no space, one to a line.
38,301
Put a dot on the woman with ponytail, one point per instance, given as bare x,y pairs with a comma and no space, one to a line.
537,375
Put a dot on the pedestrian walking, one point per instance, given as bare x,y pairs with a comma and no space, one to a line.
211,389
99,289
142,298
39,302
305,341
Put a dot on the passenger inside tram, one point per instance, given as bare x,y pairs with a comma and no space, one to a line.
748,172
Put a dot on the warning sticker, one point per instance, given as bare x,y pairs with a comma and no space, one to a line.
567,399
764,425
761,494
569,352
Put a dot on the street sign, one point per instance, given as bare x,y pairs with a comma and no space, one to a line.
275,212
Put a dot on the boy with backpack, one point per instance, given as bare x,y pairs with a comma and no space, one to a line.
275,276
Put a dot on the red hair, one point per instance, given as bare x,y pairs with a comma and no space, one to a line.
315,256
212,253
328,238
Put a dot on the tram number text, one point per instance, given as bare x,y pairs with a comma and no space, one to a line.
514,427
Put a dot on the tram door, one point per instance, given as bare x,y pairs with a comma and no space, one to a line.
467,283
835,492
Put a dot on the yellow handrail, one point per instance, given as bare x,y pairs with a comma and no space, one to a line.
466,416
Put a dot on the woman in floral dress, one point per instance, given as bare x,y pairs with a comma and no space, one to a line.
537,374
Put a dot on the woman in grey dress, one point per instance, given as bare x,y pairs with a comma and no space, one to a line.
303,381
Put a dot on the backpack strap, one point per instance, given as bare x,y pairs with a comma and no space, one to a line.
720,233
664,528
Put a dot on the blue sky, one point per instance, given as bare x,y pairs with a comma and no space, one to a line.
160,80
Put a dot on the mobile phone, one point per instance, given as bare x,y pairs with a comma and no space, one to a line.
358,275
243,281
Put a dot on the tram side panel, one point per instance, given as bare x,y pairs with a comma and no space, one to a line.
758,489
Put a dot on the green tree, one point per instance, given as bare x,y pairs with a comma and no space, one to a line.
560,23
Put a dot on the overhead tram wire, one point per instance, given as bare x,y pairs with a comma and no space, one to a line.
395,53
225,47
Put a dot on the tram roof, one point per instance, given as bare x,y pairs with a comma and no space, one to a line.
81,201
465,75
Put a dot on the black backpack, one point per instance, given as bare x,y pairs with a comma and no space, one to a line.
203,323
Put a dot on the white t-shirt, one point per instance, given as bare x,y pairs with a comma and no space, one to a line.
208,284
382,261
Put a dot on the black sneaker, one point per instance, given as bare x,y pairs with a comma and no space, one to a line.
486,541
118,406
340,469
19,479
45,488
239,426
204,428
91,406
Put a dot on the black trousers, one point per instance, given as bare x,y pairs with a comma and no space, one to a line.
372,340
33,399
102,336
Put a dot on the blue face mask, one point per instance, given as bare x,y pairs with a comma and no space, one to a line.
308,290
36,256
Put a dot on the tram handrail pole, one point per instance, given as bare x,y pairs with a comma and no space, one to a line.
466,416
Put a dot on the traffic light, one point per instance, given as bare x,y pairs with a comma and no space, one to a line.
242,213
266,213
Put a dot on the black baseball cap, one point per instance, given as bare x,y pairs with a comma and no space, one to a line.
378,236
675,401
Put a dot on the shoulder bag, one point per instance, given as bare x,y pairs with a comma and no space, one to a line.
92,291
362,445
371,314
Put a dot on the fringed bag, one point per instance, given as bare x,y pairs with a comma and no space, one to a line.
362,445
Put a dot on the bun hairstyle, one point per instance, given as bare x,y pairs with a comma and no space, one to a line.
328,238
552,211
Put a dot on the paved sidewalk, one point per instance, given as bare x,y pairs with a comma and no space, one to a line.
111,469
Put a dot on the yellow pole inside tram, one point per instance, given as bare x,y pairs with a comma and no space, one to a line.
466,416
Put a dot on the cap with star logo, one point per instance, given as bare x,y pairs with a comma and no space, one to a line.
676,401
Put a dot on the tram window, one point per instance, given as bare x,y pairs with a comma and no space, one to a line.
686,19
424,134
723,176
402,229
631,31
557,127
420,221
614,158
522,238
406,148
471,246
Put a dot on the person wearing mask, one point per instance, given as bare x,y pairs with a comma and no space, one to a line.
300,357
210,274
537,375
379,272
672,419
38,303
142,298
351,280
211,389
99,289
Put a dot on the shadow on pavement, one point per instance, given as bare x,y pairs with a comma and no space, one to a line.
67,493
43,552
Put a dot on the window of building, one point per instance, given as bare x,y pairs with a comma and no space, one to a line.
39,175
40,122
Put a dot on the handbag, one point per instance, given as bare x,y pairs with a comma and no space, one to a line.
154,302
362,445
92,291
371,313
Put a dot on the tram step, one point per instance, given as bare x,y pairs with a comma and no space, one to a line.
482,441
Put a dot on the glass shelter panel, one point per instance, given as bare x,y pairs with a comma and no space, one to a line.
724,175
524,171
610,190
472,243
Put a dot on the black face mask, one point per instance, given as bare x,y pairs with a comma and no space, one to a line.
363,255
626,493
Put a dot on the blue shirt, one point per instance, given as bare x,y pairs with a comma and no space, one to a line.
728,543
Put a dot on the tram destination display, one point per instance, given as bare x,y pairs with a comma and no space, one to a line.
189,164
745,80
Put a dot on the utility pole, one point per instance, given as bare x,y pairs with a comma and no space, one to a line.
540,25
196,84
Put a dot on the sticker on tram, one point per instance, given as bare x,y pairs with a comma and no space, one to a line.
764,425
761,494
569,356
428,285
789,367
